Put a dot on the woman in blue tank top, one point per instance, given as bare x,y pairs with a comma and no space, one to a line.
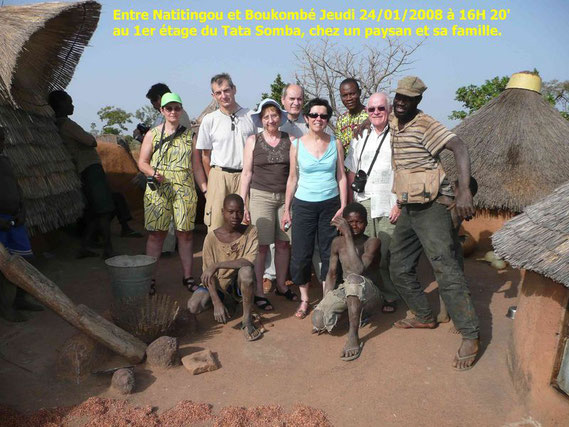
316,194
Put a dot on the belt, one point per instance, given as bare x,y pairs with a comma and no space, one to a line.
230,170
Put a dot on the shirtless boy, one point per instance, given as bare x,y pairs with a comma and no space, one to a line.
358,255
229,254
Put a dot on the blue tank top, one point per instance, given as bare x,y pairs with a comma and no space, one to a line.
317,177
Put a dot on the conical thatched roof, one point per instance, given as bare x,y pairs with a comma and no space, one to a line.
45,172
40,46
519,149
538,239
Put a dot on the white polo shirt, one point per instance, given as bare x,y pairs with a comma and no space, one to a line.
380,179
226,144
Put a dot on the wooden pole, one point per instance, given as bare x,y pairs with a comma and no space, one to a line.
24,275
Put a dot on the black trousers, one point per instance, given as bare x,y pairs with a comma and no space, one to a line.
311,220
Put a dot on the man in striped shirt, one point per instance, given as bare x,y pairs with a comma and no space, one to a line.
417,140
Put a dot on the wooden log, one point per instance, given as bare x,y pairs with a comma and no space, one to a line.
110,335
18,271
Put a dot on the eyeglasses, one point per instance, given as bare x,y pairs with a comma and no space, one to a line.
170,108
379,109
315,115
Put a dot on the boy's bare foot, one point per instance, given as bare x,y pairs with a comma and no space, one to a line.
352,349
414,323
466,354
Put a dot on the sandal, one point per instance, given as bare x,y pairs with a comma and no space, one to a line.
251,332
302,313
152,290
389,307
190,284
289,295
263,303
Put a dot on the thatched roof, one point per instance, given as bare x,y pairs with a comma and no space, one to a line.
45,172
40,46
538,239
519,149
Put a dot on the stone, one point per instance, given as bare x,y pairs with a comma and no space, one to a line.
200,362
163,353
79,356
123,381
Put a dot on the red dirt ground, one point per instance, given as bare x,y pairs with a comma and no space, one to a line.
402,377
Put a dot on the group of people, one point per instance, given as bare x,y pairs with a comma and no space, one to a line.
277,178
278,191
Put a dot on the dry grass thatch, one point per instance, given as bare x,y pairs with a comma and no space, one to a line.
45,172
538,239
519,149
40,46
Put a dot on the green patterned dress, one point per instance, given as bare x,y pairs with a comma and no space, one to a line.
176,196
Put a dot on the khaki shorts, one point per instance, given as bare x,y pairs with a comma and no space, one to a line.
266,211
335,302
219,185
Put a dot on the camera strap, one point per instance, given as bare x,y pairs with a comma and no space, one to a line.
377,151
179,130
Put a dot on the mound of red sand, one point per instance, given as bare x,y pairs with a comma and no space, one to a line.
101,412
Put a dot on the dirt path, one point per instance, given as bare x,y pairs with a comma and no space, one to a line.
402,377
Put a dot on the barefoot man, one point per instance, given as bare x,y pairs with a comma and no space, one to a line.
358,255
425,223
229,254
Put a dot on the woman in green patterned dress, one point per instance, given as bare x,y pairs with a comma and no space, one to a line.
169,160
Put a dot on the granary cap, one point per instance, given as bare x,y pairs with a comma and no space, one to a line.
525,80
170,97
410,86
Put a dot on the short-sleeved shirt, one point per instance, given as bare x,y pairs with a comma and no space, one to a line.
345,126
225,136
419,144
380,180
214,251
81,145
295,128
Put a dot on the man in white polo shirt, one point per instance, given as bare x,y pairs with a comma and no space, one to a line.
221,138
376,195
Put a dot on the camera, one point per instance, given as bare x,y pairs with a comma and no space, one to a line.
142,128
140,131
359,183
152,183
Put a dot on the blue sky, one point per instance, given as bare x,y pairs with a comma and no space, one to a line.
119,71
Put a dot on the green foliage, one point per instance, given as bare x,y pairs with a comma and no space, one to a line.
557,93
114,119
147,115
276,90
473,97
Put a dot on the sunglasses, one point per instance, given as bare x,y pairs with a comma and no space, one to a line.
379,109
170,108
315,115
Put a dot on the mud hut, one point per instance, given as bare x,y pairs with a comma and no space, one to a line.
519,149
538,356
40,45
